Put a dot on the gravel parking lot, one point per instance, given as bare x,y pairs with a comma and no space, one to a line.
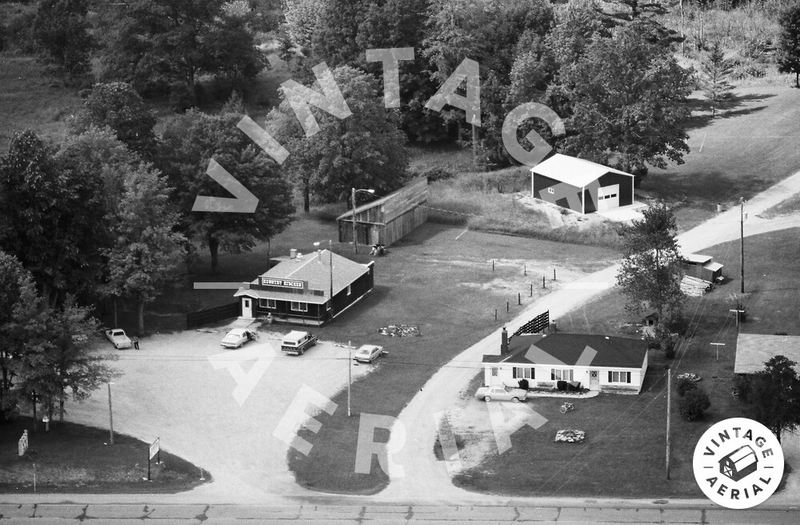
178,387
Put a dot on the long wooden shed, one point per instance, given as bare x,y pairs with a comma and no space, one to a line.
388,219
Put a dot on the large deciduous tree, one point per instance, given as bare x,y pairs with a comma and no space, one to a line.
49,217
118,106
650,272
188,143
624,102
62,30
774,395
19,304
148,251
59,360
789,42
364,150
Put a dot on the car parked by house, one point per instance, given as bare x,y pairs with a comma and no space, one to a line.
237,337
501,393
118,338
367,353
296,342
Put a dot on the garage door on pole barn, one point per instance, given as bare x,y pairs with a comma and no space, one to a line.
608,197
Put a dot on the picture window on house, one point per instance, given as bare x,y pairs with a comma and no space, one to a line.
557,374
299,307
619,377
521,372
266,303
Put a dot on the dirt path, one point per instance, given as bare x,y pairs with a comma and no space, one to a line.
424,476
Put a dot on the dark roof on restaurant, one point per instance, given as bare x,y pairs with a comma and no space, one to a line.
316,270
572,350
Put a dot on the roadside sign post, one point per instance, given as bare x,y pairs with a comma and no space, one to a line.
154,452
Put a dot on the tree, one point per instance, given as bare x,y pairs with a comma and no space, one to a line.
188,143
650,271
118,106
49,217
364,150
232,51
789,42
58,359
693,404
335,37
774,395
62,30
302,17
156,43
148,251
624,103
716,70
19,303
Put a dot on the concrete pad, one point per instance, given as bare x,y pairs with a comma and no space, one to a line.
9,510
175,511
59,511
253,512
537,514
116,511
761,516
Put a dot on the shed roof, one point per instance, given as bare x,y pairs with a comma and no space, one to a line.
573,350
696,258
315,269
753,350
572,170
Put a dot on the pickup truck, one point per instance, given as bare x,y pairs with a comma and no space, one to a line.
297,342
118,338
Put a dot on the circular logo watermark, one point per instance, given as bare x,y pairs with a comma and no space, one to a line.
738,463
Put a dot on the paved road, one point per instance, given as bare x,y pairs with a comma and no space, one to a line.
118,514
419,473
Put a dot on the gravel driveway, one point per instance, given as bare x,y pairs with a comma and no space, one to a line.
173,389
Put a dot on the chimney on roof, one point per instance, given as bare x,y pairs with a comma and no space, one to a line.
504,341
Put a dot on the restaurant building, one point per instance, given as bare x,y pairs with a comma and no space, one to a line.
309,289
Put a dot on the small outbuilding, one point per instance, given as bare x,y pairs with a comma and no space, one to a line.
388,219
701,267
306,289
597,362
581,185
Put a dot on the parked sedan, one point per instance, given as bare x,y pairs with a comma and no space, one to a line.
237,337
367,353
501,393
118,338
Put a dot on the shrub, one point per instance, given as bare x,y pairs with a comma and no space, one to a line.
19,32
741,385
523,383
684,385
693,405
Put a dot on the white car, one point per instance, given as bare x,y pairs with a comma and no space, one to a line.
501,393
368,353
237,337
118,338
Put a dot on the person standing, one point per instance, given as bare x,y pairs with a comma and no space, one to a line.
135,343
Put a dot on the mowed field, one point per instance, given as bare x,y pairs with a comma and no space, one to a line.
624,453
747,147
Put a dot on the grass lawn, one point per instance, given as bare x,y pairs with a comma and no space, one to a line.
447,288
32,99
623,455
750,145
75,458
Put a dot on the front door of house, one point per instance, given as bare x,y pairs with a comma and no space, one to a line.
608,197
247,308
594,379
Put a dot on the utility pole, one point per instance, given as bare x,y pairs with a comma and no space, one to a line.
717,345
741,242
355,241
349,374
110,418
669,414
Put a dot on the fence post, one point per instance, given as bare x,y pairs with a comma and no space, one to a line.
524,269
508,306
495,314
492,264
531,289
519,298
543,286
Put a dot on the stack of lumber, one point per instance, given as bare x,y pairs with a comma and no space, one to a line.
693,286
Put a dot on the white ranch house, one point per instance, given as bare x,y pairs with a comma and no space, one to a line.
598,362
